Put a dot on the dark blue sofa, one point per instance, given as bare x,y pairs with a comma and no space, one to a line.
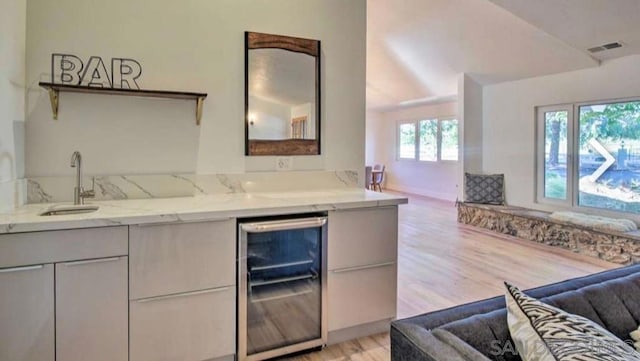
478,331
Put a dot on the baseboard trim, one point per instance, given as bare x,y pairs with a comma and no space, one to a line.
354,332
223,358
421,192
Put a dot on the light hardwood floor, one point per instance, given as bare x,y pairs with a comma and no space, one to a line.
443,263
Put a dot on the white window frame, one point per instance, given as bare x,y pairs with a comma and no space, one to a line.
573,137
415,140
444,119
416,124
540,154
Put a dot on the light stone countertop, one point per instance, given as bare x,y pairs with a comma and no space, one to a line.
196,208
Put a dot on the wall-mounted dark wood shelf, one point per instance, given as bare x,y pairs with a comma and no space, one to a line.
55,89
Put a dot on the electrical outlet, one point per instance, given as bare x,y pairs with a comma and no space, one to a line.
284,163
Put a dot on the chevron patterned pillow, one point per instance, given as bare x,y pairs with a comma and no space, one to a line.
485,189
544,333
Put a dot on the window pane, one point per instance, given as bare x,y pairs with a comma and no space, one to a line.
555,154
449,150
609,162
407,140
429,140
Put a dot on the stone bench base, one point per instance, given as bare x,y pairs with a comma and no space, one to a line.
616,247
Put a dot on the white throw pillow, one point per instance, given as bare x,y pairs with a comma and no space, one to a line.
544,333
635,336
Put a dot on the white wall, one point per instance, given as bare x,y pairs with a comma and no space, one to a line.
374,137
194,45
509,117
470,114
12,78
470,109
432,179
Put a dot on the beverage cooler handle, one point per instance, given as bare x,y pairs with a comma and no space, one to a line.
261,227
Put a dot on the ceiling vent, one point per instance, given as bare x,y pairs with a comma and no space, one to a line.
604,47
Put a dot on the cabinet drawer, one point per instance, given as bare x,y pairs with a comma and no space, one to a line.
193,326
175,258
362,237
362,295
60,246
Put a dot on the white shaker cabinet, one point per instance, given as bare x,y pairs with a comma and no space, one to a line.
63,295
27,313
181,257
193,326
182,291
29,248
92,310
362,295
362,266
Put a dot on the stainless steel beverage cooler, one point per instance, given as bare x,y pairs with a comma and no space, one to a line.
282,286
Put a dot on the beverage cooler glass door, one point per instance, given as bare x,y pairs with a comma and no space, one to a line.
282,283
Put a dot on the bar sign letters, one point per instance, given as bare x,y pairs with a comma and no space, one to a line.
69,69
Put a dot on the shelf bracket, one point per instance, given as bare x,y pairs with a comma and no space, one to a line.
199,103
54,98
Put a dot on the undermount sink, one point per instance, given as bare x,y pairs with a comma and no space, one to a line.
58,210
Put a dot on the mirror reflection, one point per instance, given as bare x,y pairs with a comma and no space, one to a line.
282,95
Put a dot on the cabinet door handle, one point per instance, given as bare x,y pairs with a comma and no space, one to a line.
18,269
178,295
367,208
260,227
358,268
165,223
90,261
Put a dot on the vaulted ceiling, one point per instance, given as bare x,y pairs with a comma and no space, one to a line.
417,48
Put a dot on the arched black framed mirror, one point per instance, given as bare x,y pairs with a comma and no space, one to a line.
282,95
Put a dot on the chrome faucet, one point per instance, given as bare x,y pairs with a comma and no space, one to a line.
79,194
